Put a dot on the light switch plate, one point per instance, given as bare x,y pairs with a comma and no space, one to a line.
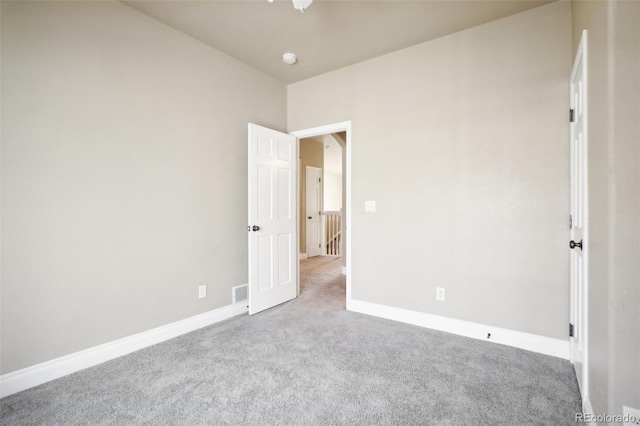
369,206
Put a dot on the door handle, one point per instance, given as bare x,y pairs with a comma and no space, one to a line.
255,228
309,217
573,244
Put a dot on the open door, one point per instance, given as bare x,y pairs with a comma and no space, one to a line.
313,210
272,218
579,221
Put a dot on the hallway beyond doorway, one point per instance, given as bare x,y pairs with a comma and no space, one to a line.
321,278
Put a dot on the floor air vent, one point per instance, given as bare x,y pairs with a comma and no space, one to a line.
239,293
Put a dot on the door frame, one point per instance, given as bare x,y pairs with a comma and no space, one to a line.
583,326
328,129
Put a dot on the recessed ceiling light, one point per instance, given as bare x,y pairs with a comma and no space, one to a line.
289,58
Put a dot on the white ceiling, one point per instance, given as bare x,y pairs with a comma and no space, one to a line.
331,34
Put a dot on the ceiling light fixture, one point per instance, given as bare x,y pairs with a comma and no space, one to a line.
301,5
289,58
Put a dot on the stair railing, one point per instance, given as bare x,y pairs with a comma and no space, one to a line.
333,233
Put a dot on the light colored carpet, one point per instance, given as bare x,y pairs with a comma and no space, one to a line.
310,362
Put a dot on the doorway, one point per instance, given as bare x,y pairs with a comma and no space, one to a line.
331,236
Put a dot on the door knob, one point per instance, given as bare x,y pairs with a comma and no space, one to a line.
309,217
573,244
255,228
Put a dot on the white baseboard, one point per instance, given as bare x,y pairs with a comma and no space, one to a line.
303,256
518,339
41,373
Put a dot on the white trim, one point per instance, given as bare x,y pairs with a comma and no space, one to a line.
41,373
344,126
518,339
303,256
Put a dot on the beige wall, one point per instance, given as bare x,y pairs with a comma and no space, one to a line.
332,191
123,175
614,199
463,143
311,154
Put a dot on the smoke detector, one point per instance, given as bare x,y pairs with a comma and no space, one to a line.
289,58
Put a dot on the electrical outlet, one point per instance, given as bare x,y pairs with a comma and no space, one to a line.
631,416
440,294
202,291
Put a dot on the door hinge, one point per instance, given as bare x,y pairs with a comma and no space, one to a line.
319,245
570,330
571,115
570,222
319,213
319,180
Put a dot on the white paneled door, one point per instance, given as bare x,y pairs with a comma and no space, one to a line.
314,206
578,220
272,218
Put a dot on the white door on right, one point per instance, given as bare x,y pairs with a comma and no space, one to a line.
314,208
578,220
